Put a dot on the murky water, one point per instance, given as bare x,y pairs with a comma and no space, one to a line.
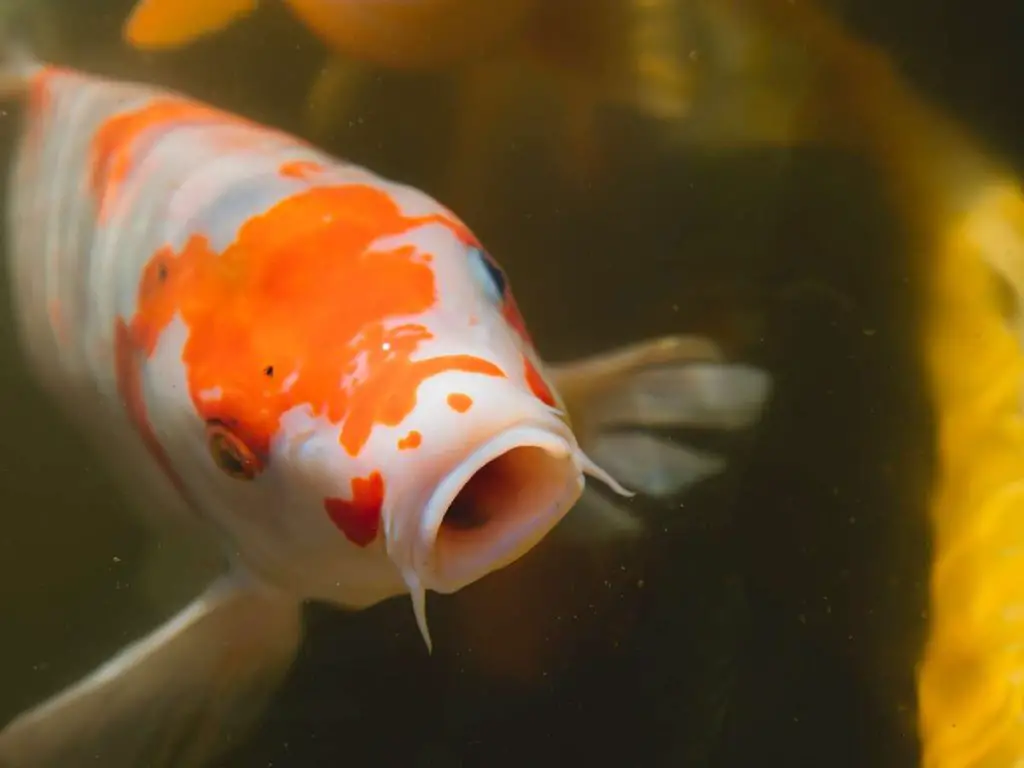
775,618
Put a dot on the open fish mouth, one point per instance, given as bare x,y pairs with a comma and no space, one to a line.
496,505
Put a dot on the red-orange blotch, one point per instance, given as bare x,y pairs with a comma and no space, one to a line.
300,169
537,384
411,441
359,518
460,402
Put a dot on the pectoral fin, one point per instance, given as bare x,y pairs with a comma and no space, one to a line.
173,23
179,696
624,405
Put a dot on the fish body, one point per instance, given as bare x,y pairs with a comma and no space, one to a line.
321,370
203,241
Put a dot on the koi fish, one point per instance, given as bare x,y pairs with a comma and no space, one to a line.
963,210
321,371
591,53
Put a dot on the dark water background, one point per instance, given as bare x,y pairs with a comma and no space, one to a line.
776,619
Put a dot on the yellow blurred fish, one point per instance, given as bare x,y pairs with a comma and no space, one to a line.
964,211
502,53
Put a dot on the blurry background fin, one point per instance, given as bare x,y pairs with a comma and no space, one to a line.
746,86
331,101
173,23
660,53
685,395
624,404
654,465
176,566
597,519
179,697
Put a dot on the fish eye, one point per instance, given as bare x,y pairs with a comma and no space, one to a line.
231,455
488,274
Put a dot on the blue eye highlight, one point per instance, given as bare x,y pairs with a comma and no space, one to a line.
488,274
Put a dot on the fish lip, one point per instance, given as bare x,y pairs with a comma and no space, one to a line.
515,532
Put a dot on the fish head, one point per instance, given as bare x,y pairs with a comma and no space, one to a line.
353,373
485,463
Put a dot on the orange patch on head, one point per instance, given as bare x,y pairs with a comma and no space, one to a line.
537,384
303,291
114,146
359,518
460,402
510,311
393,392
413,440
300,169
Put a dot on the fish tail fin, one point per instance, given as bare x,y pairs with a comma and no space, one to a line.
179,696
165,24
783,73
661,76
333,96
625,405
862,102
728,75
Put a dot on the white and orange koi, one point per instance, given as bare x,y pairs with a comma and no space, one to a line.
320,369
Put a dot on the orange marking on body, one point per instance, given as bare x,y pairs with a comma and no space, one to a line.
39,98
413,440
60,329
510,311
302,290
536,383
127,371
393,396
39,85
113,148
359,518
459,402
300,169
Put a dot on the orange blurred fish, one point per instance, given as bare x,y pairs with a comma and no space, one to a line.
323,371
583,54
